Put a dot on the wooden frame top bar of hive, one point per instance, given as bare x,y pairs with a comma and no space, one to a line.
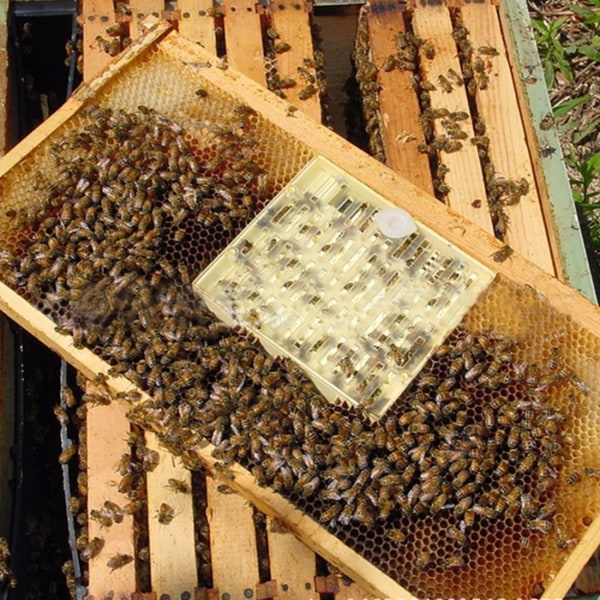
514,271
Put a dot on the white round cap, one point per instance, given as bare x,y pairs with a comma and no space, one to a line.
395,223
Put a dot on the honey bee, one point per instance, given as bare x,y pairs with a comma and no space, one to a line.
573,477
428,50
150,459
67,454
102,517
89,549
329,514
307,92
454,77
118,561
165,513
179,486
454,533
438,503
389,64
451,145
281,47
424,559
565,542
541,525
455,562
396,535
488,50
444,83
466,490
501,255
61,415
112,510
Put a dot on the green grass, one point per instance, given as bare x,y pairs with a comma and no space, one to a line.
569,48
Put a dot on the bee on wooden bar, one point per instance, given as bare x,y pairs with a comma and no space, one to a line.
501,255
67,454
165,513
444,83
428,50
488,50
118,561
281,47
91,549
307,92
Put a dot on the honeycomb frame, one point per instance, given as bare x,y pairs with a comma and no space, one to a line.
570,324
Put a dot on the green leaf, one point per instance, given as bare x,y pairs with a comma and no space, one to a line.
587,14
549,74
564,107
593,163
590,52
569,125
539,26
591,129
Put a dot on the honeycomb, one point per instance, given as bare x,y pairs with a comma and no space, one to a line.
108,220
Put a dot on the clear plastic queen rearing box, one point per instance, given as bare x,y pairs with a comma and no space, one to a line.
349,286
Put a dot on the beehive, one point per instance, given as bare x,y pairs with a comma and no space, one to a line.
553,370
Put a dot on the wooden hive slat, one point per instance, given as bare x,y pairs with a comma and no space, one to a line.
140,9
200,27
197,23
398,102
350,590
497,104
97,16
467,189
292,563
456,229
107,433
172,546
244,50
290,19
233,550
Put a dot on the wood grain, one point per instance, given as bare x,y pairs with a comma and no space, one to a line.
197,23
107,433
498,105
467,193
243,37
398,102
172,546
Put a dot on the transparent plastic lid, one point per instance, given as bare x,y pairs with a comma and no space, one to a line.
346,284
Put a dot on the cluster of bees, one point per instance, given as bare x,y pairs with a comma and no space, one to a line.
366,77
310,75
7,577
131,469
442,129
131,215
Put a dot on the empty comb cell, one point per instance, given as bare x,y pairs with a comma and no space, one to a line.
343,261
